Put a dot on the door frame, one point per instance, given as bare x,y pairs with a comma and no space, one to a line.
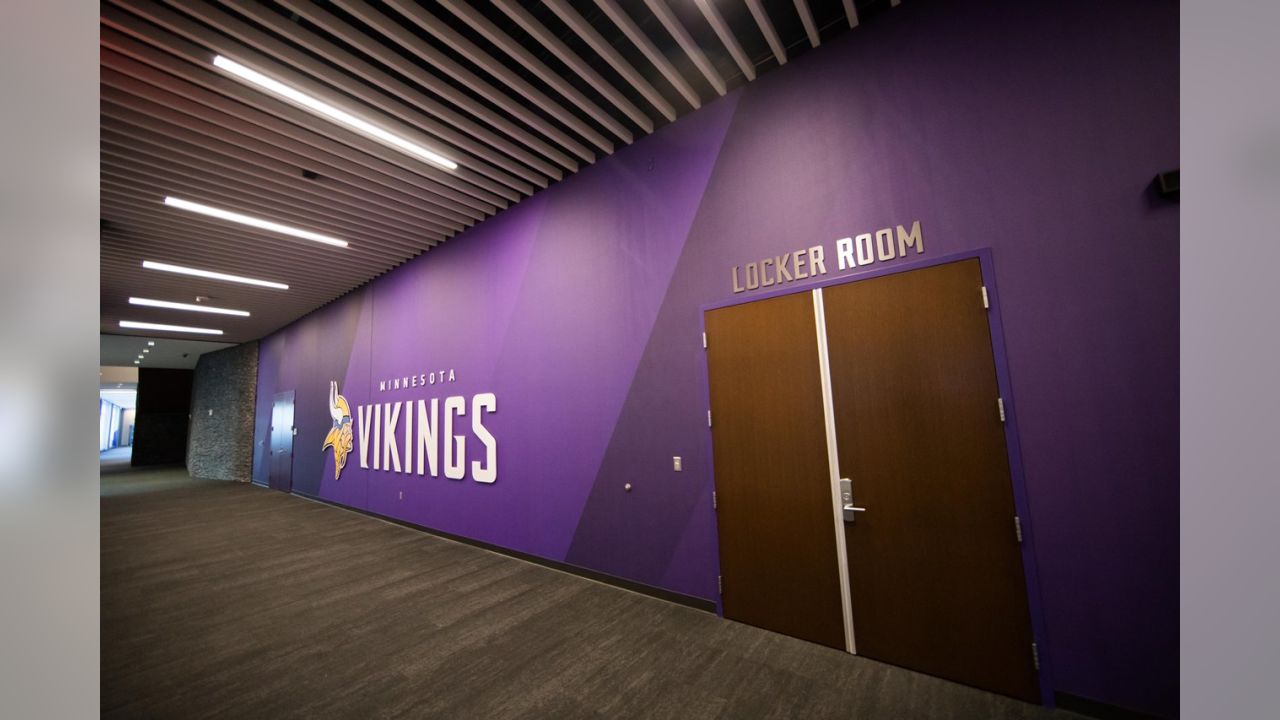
995,324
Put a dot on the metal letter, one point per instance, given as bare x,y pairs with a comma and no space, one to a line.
884,244
910,239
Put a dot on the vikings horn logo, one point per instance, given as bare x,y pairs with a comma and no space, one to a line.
339,437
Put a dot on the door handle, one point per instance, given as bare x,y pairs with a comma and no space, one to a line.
846,501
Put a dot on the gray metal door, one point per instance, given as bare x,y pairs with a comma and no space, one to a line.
280,467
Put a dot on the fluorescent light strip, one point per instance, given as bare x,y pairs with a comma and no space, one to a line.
331,112
184,306
150,265
167,328
253,221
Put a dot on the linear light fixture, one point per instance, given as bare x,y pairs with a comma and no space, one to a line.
150,265
338,115
253,221
167,328
184,306
151,343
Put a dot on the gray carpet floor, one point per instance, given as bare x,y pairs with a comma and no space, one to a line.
229,600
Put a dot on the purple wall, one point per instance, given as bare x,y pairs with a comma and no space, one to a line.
1033,129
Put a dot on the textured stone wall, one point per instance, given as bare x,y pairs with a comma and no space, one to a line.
220,442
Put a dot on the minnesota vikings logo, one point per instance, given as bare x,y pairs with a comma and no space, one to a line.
339,437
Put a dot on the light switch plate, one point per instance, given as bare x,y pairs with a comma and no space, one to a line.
675,462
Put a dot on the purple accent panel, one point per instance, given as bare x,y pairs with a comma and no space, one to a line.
303,356
605,255
451,313
318,351
353,383
1032,129
687,568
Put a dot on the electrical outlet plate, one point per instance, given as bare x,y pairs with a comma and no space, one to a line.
675,462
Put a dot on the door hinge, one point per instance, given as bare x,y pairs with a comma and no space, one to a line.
1035,655
1000,407
720,584
714,506
708,418
1017,527
704,341
986,302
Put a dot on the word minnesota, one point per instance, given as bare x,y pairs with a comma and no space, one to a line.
857,251
429,436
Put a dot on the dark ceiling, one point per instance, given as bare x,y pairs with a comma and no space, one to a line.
519,94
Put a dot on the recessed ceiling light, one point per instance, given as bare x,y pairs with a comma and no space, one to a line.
212,275
337,115
184,306
252,221
167,328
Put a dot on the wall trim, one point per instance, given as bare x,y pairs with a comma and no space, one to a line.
671,596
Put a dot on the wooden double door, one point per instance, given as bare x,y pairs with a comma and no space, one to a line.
864,494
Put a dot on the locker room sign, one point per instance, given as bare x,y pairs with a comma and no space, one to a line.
850,252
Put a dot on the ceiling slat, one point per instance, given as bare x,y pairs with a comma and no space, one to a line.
127,262
471,170
494,146
507,44
464,47
144,244
431,83
382,165
677,30
851,13
579,25
806,19
650,51
442,62
552,43
727,37
138,240
124,256
131,219
211,149
286,150
384,250
269,205
766,28
171,156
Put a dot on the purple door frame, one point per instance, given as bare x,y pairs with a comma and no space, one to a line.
1021,503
